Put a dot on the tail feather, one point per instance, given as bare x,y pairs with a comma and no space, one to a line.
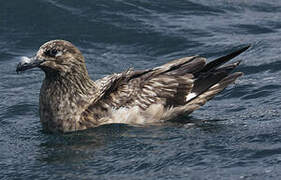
200,100
210,93
215,89
220,61
212,73
207,80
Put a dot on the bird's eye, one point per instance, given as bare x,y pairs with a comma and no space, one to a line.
51,52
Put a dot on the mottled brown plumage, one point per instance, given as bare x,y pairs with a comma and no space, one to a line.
71,101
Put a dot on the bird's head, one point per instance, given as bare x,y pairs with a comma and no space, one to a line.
55,57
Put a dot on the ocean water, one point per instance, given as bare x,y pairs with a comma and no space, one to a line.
234,136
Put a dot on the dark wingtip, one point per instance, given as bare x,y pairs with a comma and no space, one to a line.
218,62
242,50
246,47
237,52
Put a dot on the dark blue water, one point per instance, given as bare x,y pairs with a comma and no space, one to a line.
235,136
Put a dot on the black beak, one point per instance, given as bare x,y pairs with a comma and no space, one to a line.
28,63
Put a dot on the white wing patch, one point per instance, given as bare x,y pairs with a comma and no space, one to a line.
190,96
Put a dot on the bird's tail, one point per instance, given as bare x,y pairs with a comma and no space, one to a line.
209,81
214,73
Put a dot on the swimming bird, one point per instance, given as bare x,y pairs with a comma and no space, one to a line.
71,101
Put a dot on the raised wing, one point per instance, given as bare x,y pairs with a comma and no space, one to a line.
180,84
168,85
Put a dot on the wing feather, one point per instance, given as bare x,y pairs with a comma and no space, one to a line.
167,85
182,85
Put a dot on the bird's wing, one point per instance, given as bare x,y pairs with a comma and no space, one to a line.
168,85
177,83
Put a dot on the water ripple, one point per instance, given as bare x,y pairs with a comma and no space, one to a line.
234,136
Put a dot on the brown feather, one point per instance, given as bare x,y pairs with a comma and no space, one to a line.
71,101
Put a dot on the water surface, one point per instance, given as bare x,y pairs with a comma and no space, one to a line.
236,135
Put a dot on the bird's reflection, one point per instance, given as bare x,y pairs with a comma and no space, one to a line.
83,145
80,145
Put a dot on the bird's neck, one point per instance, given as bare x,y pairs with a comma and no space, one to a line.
71,83
63,98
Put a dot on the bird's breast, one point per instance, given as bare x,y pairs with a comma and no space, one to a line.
59,110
